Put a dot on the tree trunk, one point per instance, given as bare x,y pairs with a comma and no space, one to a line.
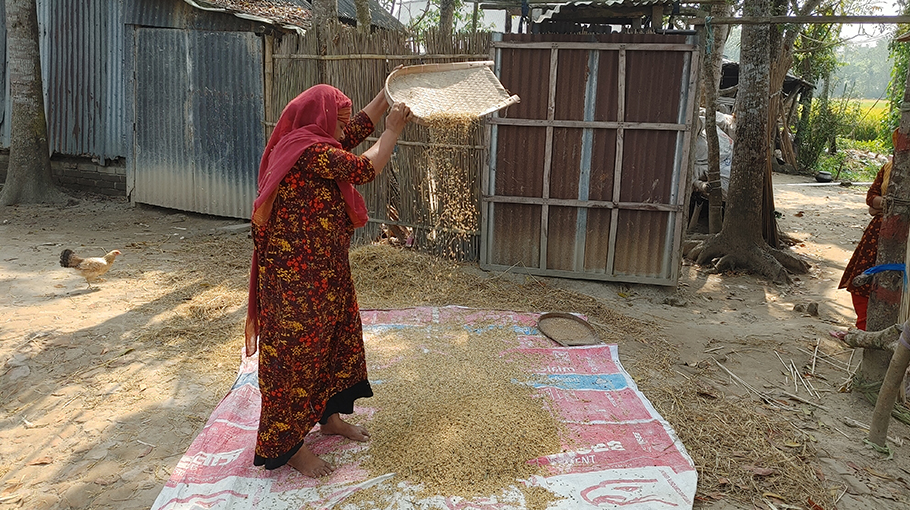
447,17
782,48
28,179
325,17
887,286
713,62
364,19
740,245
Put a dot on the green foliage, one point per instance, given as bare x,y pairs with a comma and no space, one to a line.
877,145
900,55
462,19
814,51
848,163
828,119
866,71
870,124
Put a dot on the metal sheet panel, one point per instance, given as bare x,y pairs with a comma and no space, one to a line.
180,14
199,120
82,69
164,166
652,86
517,227
520,159
614,134
227,121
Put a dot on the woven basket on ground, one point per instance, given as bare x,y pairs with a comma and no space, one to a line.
455,88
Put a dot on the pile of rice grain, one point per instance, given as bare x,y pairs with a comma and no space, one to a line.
452,414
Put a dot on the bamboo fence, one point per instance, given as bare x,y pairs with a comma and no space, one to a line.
358,64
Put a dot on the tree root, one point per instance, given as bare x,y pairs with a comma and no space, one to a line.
790,260
885,339
725,256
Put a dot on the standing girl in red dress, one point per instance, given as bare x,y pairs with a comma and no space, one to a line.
303,309
867,250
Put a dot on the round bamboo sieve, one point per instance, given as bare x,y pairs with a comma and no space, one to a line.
567,329
456,88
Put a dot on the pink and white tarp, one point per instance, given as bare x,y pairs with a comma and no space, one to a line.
633,459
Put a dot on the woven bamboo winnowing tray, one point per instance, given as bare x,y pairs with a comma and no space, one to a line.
454,88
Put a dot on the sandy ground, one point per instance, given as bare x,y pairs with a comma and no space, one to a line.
102,390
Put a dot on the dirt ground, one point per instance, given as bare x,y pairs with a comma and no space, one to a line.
102,390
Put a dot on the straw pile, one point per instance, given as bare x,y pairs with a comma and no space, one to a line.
724,436
386,277
200,319
741,449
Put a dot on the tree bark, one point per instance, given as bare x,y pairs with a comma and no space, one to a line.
325,15
447,17
885,340
887,396
364,18
28,178
887,286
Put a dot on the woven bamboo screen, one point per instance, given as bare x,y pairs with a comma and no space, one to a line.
358,65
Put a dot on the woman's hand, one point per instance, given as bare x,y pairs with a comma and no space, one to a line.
877,207
398,118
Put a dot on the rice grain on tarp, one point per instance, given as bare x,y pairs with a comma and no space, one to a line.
452,414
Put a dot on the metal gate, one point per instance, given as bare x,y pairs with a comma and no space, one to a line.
198,120
587,175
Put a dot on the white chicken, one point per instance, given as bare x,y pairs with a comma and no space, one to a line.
90,268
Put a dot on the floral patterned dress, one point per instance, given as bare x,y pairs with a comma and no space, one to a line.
311,359
867,249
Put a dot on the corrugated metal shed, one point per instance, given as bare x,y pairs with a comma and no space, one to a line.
586,174
81,45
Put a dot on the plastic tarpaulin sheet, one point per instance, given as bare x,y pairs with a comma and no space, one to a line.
633,459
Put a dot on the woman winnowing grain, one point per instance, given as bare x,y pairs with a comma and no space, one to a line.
302,306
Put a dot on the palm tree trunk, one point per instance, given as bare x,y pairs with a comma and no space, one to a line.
28,179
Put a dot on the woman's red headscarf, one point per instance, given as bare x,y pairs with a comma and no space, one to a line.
308,119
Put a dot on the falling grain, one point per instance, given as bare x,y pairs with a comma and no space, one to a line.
451,178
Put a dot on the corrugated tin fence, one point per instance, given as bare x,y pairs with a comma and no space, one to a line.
587,174
198,109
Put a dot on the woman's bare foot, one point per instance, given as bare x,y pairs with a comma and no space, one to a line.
336,426
309,464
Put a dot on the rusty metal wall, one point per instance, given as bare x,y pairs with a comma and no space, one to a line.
199,110
585,178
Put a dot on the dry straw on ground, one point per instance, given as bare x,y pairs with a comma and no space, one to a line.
724,436
742,449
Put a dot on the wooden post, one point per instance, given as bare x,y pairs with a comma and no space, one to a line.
268,74
657,17
884,404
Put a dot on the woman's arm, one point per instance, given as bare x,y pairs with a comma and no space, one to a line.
377,107
381,151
